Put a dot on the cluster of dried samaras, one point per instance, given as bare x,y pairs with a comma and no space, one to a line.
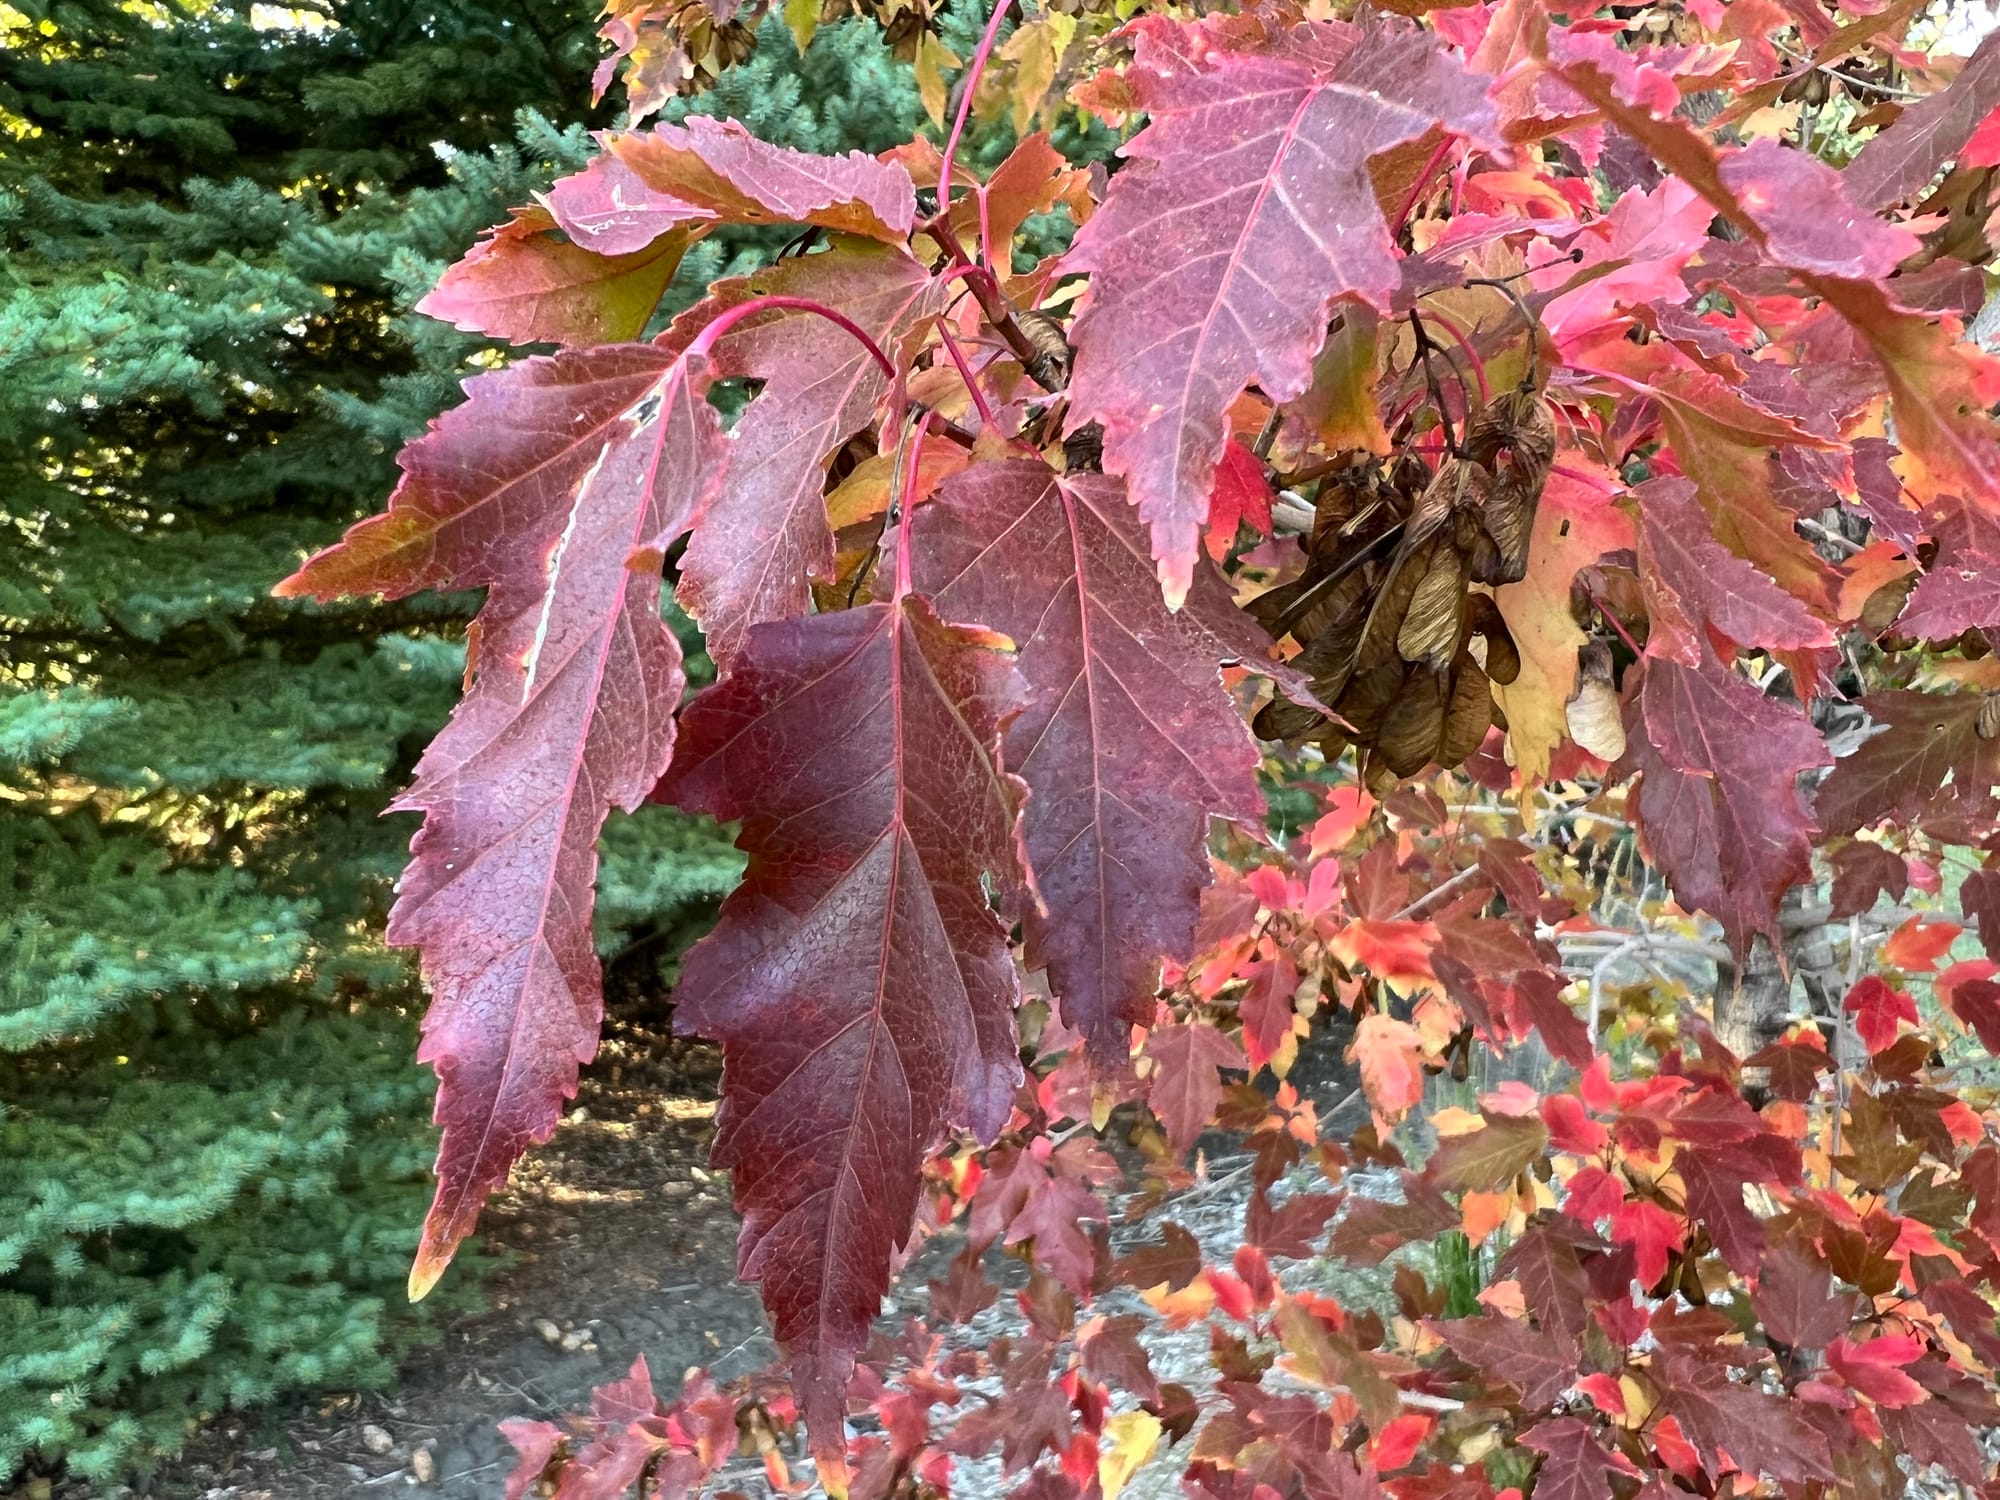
1396,637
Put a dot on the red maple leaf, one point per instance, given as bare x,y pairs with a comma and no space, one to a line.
1719,804
1266,1008
859,981
1129,738
592,459
1874,1367
1186,1084
1243,212
1242,493
768,536
1652,1232
1877,1010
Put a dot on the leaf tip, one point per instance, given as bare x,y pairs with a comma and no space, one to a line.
429,1268
425,1275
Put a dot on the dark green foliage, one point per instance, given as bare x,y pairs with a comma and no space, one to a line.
214,1140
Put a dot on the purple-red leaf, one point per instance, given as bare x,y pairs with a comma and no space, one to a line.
1129,738
769,535
1186,1084
858,980
1574,1464
1539,1363
1796,1301
1960,590
1691,580
543,487
505,464
1928,760
1244,211
1901,161
1761,1434
715,171
1719,806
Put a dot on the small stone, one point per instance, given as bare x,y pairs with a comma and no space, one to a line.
546,1327
423,1468
576,1339
40,1488
375,1440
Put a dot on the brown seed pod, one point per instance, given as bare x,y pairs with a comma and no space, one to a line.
1414,723
1468,535
1503,657
1429,633
1369,697
1282,719
1508,519
1468,713
1514,434
1377,643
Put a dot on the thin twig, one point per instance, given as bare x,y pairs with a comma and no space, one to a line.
1425,347
1437,893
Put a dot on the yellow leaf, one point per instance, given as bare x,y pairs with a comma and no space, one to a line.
1575,525
865,492
1190,1305
1033,52
1452,1120
1129,1440
933,57
803,18
1340,404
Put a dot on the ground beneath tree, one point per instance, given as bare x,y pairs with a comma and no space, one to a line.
617,1242
591,1280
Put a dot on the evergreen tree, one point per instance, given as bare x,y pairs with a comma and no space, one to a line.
214,1142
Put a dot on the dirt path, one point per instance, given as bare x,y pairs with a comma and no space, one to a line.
591,1283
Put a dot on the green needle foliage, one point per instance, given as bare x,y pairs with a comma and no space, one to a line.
214,1141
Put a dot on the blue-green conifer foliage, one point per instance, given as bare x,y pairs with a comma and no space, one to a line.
214,217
